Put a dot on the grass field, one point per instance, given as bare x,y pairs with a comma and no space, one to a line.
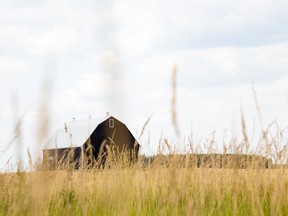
146,191
159,188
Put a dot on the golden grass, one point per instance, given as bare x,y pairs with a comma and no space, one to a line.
146,191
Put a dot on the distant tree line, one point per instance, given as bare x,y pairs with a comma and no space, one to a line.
236,161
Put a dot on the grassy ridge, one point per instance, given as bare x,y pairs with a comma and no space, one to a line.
152,191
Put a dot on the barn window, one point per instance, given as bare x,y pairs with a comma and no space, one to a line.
111,123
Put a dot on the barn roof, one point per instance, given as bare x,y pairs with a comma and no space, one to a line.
74,134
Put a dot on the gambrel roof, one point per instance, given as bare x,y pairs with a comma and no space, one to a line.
74,133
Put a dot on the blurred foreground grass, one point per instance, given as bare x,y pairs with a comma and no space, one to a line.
146,191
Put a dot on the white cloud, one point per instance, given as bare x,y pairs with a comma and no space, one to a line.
93,92
215,67
99,84
215,107
12,67
108,58
47,27
139,30
68,101
59,40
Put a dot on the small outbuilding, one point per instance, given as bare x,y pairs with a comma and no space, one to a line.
90,142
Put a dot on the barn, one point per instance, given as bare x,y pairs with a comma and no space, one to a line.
88,142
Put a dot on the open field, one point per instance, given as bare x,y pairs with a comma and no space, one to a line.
203,182
149,191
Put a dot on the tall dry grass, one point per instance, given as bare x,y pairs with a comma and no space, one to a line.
149,190
167,184
160,187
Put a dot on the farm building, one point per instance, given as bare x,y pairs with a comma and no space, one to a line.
89,142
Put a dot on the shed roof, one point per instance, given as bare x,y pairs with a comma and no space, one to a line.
74,134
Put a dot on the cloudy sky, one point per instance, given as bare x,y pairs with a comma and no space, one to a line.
78,58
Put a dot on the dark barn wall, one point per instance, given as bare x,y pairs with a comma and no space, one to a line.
55,158
113,134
